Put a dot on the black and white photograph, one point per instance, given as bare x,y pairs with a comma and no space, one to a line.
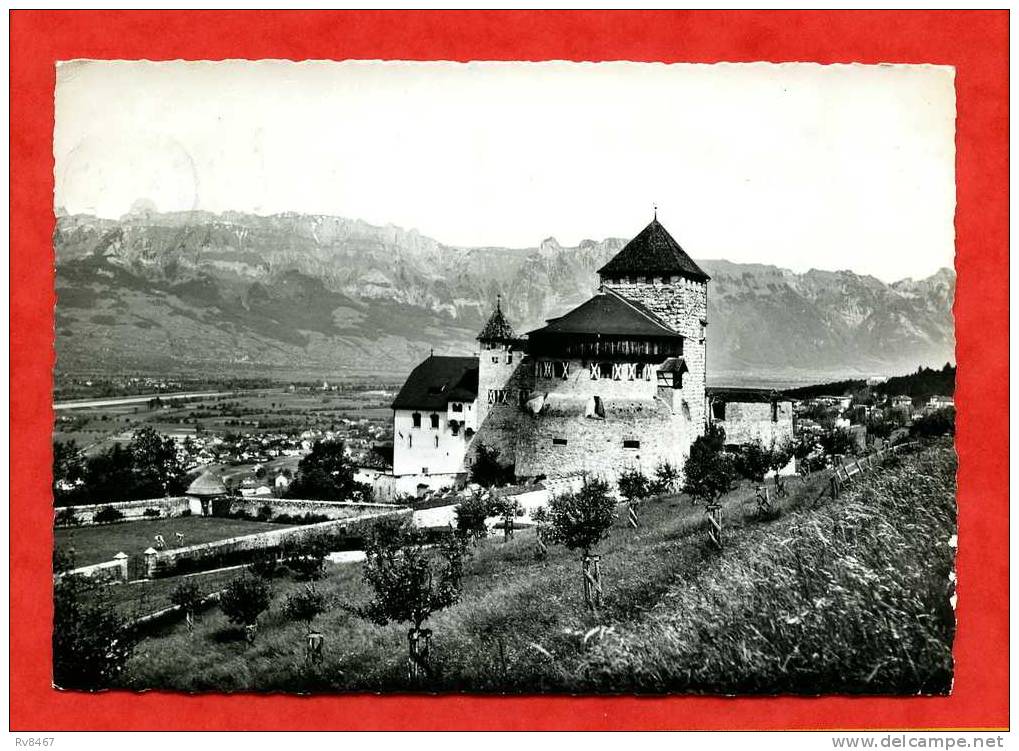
504,377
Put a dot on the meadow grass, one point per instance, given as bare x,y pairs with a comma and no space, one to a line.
95,544
828,595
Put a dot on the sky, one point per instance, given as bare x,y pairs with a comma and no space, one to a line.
796,165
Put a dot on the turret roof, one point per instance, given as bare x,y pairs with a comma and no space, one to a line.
498,328
653,252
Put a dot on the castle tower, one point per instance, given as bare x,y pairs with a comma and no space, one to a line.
655,272
500,356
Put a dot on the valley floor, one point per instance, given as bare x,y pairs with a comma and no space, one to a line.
830,595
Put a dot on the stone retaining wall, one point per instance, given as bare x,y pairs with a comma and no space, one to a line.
131,510
115,570
211,554
296,507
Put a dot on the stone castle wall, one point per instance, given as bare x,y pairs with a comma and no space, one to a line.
746,422
683,304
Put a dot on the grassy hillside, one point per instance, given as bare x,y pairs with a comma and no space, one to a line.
831,595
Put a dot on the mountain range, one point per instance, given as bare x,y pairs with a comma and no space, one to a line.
232,292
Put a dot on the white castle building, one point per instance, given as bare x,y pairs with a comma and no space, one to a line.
618,381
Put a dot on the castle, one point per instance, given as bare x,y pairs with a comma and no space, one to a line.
618,381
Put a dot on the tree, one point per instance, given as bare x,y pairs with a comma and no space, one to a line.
244,599
633,485
666,479
837,442
91,642
580,521
753,461
710,471
324,474
486,469
471,515
305,605
938,422
188,596
157,466
68,473
409,582
780,453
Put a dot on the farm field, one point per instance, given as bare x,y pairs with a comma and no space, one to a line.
95,544
828,595
243,412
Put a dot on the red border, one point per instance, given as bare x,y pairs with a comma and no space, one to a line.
976,43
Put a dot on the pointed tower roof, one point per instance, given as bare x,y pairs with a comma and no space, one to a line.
653,252
497,329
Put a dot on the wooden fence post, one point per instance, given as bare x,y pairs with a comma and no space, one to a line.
420,644
313,652
714,514
592,581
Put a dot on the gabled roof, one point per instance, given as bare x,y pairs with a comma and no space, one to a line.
653,252
498,328
608,314
438,381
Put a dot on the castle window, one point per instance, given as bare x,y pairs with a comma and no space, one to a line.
495,358
496,396
435,421
718,410
458,407
558,441
416,419
605,369
454,426
424,470
631,444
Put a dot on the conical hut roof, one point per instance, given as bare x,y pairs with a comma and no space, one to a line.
207,484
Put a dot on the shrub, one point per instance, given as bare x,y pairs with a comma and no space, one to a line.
67,517
90,640
244,599
266,565
63,560
186,512
937,423
108,514
264,513
305,605
307,557
151,512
